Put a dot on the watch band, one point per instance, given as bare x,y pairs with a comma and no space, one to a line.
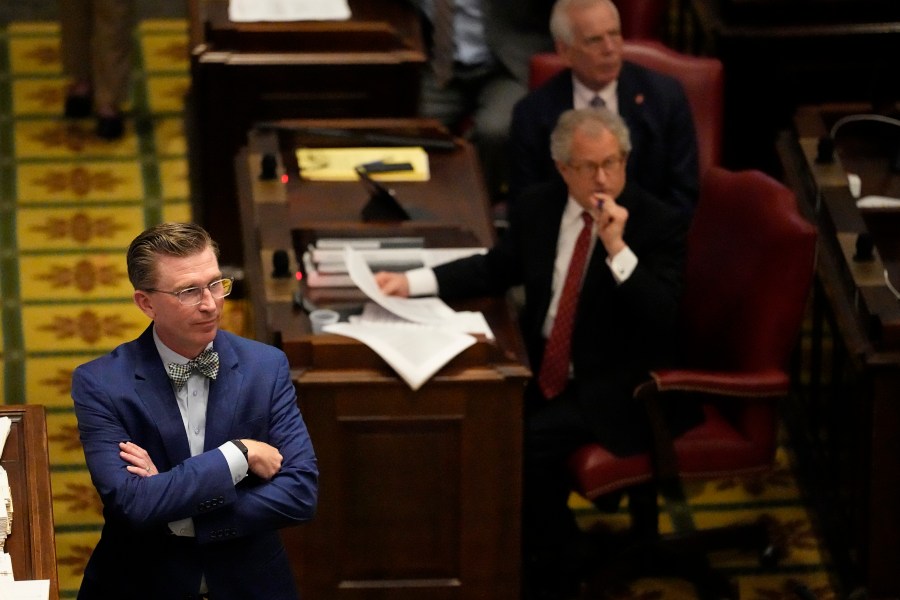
243,448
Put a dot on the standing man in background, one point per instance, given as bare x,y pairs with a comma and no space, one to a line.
588,36
193,439
478,70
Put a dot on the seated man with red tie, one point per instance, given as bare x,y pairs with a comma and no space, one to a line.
601,264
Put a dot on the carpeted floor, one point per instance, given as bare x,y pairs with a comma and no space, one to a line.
71,203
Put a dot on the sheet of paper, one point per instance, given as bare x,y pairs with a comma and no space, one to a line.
339,164
288,10
38,589
460,321
415,352
432,311
6,572
5,425
415,336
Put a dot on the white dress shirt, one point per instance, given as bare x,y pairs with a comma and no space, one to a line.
582,95
422,281
192,399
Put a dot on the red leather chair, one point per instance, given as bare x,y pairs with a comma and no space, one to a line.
702,78
642,19
749,268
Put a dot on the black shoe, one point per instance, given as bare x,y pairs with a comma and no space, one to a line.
110,128
78,107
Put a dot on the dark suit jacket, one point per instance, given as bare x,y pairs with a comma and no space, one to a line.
664,159
621,330
126,395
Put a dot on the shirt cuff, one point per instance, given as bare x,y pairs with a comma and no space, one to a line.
236,461
622,264
182,527
422,282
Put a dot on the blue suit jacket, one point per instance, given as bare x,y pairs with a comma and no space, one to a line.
126,395
664,156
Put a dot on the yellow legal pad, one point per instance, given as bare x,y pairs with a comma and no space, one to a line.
339,164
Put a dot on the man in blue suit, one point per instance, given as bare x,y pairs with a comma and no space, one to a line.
588,36
193,440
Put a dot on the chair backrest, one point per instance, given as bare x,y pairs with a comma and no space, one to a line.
702,79
642,19
749,270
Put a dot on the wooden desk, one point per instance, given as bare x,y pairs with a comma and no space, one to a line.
31,545
420,491
845,429
248,72
781,54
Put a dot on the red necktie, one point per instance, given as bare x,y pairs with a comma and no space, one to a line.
555,367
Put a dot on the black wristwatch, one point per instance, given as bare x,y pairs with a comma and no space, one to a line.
243,448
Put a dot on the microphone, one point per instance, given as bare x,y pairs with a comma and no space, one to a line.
825,150
268,167
281,267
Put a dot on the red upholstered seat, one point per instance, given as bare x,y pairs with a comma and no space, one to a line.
701,77
749,269
642,19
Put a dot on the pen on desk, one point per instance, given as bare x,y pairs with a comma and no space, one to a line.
379,166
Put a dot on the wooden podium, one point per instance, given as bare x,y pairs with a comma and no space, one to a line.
420,492
845,429
31,545
244,73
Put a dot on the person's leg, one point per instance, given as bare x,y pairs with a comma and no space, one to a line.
550,535
75,49
498,95
449,104
112,49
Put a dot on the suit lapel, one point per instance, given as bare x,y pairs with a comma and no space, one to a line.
152,386
223,394
542,245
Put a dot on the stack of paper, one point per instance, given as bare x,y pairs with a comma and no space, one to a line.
415,336
288,10
6,507
5,425
6,571
24,590
328,268
10,589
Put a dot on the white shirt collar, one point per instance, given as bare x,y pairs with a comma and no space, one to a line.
582,95
167,354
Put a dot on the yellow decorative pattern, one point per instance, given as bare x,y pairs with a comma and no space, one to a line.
174,179
78,277
81,182
74,328
38,96
79,228
58,139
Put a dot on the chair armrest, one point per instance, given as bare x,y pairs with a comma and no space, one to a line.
766,383
771,382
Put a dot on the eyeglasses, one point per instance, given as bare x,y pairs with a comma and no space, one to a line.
590,169
193,296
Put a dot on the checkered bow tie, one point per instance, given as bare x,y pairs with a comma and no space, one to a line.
206,364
